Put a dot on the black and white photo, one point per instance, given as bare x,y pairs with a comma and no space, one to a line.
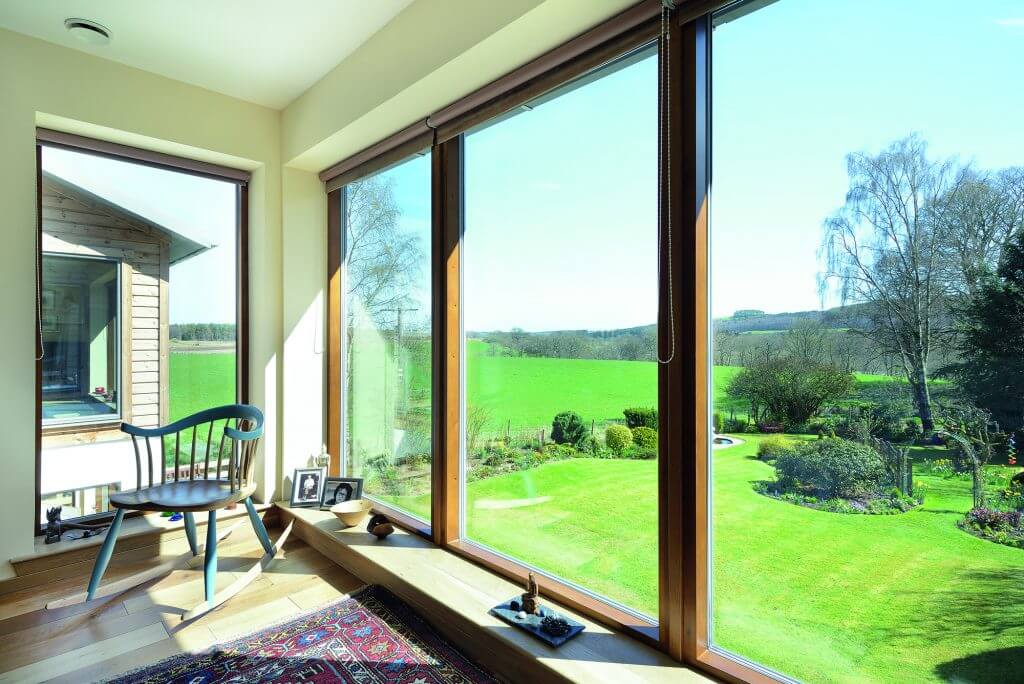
340,489
307,486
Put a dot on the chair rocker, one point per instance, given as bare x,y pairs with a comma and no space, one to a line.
228,480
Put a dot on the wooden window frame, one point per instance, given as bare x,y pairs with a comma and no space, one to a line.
240,178
682,628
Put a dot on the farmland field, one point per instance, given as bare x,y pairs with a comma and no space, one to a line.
200,381
529,391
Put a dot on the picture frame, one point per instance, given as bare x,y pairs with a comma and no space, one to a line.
339,489
307,487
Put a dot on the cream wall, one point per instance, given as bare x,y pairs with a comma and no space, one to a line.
304,257
431,54
68,89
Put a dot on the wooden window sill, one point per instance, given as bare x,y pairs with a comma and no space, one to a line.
136,532
455,595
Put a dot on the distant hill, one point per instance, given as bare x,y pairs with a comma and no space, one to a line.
748,320
744,320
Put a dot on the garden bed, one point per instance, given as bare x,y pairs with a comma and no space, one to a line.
892,503
998,527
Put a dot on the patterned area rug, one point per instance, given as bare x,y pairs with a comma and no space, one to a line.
370,638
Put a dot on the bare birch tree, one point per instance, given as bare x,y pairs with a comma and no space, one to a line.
884,249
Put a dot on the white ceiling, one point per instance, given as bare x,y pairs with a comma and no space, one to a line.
263,51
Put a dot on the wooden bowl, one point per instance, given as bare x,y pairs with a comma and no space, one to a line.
353,512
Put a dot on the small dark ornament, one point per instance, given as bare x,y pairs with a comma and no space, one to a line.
52,525
55,527
531,603
379,526
555,626
547,624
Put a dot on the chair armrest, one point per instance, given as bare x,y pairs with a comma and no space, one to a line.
242,434
137,431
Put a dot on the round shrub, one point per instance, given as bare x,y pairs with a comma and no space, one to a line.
772,447
618,438
645,437
641,417
831,467
568,428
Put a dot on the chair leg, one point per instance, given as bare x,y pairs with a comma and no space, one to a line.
105,552
210,565
258,526
190,531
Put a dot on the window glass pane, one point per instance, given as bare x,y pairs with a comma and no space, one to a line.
387,348
560,311
865,287
81,328
137,313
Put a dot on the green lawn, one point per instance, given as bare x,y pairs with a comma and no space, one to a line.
529,391
200,381
821,596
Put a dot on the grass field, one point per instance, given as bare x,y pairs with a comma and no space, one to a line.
529,391
820,596
200,381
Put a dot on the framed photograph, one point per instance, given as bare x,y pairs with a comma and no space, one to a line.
339,489
307,486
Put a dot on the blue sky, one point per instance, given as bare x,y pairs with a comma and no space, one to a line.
561,200
801,83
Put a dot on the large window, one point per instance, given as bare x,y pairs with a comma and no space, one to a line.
137,314
560,292
866,301
818,479
387,356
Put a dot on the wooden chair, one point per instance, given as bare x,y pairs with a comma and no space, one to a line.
224,481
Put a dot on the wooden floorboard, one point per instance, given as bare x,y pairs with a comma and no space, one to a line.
86,643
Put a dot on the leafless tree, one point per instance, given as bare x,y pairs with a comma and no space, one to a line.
884,249
724,347
807,341
978,215
381,265
382,262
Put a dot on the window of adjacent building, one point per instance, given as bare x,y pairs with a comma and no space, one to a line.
866,292
386,340
80,330
560,293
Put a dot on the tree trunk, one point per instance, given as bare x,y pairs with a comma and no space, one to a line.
922,399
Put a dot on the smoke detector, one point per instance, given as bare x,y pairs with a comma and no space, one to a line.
88,31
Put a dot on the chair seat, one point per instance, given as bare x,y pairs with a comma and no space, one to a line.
185,496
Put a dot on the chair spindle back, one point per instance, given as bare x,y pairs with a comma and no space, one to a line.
242,441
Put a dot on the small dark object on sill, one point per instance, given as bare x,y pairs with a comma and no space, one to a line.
55,527
555,626
534,624
379,526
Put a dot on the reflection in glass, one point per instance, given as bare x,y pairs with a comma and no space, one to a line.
386,339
